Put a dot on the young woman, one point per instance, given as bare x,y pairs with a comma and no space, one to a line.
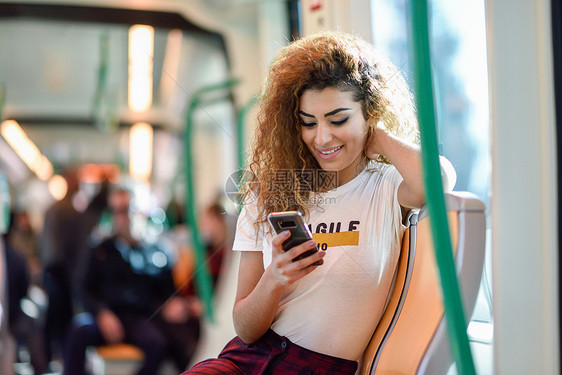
337,141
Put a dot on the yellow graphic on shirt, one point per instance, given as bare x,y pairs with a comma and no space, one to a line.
326,240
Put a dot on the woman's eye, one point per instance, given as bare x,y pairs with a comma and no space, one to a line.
308,124
340,122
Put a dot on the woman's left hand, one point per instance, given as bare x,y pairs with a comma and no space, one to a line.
405,157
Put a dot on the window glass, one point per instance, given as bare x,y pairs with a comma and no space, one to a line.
458,54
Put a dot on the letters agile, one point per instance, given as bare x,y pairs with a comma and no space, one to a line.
333,227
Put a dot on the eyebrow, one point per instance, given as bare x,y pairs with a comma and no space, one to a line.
331,113
305,114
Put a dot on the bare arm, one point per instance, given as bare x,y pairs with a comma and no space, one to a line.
259,291
406,158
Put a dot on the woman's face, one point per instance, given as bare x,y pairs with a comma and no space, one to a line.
334,130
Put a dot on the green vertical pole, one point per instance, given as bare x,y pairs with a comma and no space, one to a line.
454,312
203,281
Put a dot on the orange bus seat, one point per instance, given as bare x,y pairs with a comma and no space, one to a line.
120,352
411,336
121,359
117,359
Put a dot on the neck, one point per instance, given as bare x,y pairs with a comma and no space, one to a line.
350,173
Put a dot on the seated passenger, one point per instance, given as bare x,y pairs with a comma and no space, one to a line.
129,297
25,328
214,230
63,244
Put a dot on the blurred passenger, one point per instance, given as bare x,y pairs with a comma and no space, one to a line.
214,230
215,233
26,296
62,246
23,318
130,297
7,343
23,238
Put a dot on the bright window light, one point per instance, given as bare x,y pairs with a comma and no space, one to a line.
141,53
26,149
57,187
140,151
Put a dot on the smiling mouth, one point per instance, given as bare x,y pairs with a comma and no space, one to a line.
331,151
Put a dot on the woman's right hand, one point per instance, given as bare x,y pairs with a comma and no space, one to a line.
259,291
283,269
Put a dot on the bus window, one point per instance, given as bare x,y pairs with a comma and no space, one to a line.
458,53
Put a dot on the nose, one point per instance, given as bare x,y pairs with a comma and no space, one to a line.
323,134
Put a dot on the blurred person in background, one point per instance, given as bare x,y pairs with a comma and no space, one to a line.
5,361
61,249
216,234
24,319
30,304
129,297
23,238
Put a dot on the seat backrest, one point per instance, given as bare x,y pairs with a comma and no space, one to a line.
411,336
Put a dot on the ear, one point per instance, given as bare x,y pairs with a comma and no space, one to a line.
370,131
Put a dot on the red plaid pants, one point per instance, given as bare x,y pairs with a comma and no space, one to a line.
272,354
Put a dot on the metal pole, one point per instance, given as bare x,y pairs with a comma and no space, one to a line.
454,312
203,281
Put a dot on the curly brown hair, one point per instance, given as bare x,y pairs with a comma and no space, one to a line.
278,176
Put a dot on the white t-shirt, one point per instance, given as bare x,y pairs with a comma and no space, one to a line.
335,309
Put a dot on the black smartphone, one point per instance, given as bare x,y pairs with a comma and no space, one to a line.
293,222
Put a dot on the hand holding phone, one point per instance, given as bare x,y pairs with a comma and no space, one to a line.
293,222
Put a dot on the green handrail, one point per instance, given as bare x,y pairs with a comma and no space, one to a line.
454,312
100,113
203,281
